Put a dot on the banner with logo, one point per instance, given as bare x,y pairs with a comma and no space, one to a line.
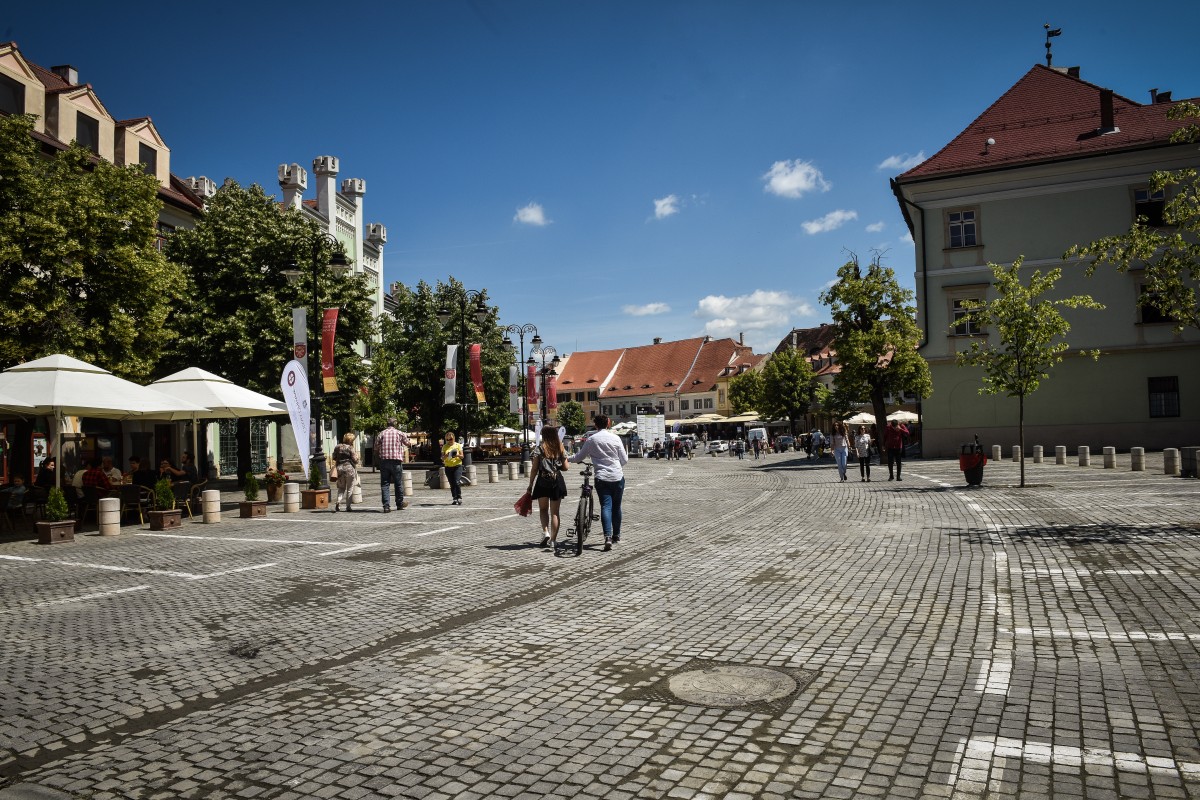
514,391
476,354
328,329
451,374
531,392
552,392
300,336
294,385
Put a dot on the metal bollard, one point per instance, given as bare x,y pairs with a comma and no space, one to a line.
211,502
1110,458
291,498
1016,453
512,470
1060,454
109,516
996,451
1085,455
1171,461
1137,459
493,474
1037,454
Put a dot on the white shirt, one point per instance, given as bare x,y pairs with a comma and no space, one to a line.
862,443
607,453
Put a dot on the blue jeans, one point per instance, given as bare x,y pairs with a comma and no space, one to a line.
391,472
610,493
841,454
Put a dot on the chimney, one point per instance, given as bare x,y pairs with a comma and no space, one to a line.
1073,72
1163,97
741,337
1153,96
658,340
1107,124
67,73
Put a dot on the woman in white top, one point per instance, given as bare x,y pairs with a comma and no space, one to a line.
862,447
840,441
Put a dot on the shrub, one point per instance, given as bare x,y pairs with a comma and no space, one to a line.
314,477
164,498
56,505
251,487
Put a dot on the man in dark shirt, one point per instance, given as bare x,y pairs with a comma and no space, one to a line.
186,472
139,476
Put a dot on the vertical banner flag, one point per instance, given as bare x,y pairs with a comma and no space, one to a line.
294,385
552,392
328,329
514,392
531,392
477,373
300,336
451,373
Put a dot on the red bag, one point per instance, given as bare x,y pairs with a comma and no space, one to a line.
524,505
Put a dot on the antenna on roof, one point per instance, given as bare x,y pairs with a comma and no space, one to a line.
1050,34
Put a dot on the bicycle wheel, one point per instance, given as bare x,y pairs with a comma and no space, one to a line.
583,521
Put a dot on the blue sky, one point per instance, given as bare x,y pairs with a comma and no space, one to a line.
609,171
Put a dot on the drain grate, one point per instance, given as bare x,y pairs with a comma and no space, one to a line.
720,684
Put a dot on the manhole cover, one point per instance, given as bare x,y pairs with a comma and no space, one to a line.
730,685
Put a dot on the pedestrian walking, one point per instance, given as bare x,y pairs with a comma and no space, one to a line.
840,442
345,462
452,459
862,449
608,457
391,448
893,439
546,483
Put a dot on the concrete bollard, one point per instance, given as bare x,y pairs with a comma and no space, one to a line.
1171,461
443,478
526,467
1189,462
407,484
472,474
109,516
1110,458
1137,459
210,502
512,470
1016,453
493,474
1060,454
996,453
1037,454
1085,455
291,498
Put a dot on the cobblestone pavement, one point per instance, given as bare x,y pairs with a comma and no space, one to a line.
942,642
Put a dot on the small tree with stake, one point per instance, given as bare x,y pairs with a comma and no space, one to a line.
1027,340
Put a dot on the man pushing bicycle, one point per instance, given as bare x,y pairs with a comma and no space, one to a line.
608,457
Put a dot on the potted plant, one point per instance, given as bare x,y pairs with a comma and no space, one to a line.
165,515
274,481
252,506
56,528
314,496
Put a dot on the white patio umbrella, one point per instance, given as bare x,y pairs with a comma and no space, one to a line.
504,431
221,398
905,417
862,418
7,402
61,386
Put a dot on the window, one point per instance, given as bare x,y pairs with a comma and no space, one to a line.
87,132
148,158
962,228
593,396
621,410
721,396
683,405
12,96
964,324
163,231
1148,312
1164,397
670,405
1150,205
606,410
708,402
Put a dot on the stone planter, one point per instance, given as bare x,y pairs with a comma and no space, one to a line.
56,532
314,498
165,520
252,508
274,493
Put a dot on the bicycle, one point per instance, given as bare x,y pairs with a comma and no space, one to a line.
583,512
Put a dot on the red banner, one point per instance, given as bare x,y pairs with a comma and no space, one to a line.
477,373
328,329
531,393
552,392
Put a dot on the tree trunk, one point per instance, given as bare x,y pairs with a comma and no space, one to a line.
880,409
1021,434
243,450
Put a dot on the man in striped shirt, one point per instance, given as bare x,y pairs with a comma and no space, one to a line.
391,445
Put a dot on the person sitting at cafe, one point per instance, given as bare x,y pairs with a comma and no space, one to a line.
185,472
140,476
96,478
114,474
16,493
77,480
45,476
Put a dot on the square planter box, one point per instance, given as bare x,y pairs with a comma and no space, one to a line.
165,520
314,498
252,508
56,532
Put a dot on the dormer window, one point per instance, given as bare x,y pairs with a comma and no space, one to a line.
12,96
87,132
148,158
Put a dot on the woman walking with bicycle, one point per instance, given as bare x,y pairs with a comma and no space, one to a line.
546,483
608,456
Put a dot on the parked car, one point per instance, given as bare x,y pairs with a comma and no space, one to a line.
784,443
718,446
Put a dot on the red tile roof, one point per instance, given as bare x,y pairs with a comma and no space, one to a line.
586,371
1047,116
815,344
653,368
715,357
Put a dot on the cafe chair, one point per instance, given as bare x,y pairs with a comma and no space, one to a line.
136,498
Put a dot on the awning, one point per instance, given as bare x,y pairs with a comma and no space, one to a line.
749,416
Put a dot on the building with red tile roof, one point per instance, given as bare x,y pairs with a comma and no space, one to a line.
1056,161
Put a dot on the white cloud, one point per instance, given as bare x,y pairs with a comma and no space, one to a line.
764,316
830,222
903,162
907,238
666,206
532,214
794,179
876,227
647,310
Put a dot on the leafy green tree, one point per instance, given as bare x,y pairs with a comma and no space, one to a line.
381,399
1169,256
1025,336
789,387
746,391
877,337
79,270
570,416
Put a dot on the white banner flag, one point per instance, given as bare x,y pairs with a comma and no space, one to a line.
451,372
294,384
514,394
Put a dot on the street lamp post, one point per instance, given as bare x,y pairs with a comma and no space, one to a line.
548,357
339,264
521,330
481,314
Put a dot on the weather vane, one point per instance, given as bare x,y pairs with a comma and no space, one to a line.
1050,34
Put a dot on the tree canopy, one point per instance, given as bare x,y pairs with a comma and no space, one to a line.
570,415
789,387
745,391
80,271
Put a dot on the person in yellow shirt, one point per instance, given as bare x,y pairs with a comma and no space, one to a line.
452,459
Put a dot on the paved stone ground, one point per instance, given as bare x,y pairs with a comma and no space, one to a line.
946,642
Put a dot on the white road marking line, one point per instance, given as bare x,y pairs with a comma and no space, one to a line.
235,569
1071,574
112,568
506,516
994,676
1117,636
240,539
439,530
20,558
77,599
985,750
349,549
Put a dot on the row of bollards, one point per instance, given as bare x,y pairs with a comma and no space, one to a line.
1137,457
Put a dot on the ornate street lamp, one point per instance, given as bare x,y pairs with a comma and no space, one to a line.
520,331
444,316
548,357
